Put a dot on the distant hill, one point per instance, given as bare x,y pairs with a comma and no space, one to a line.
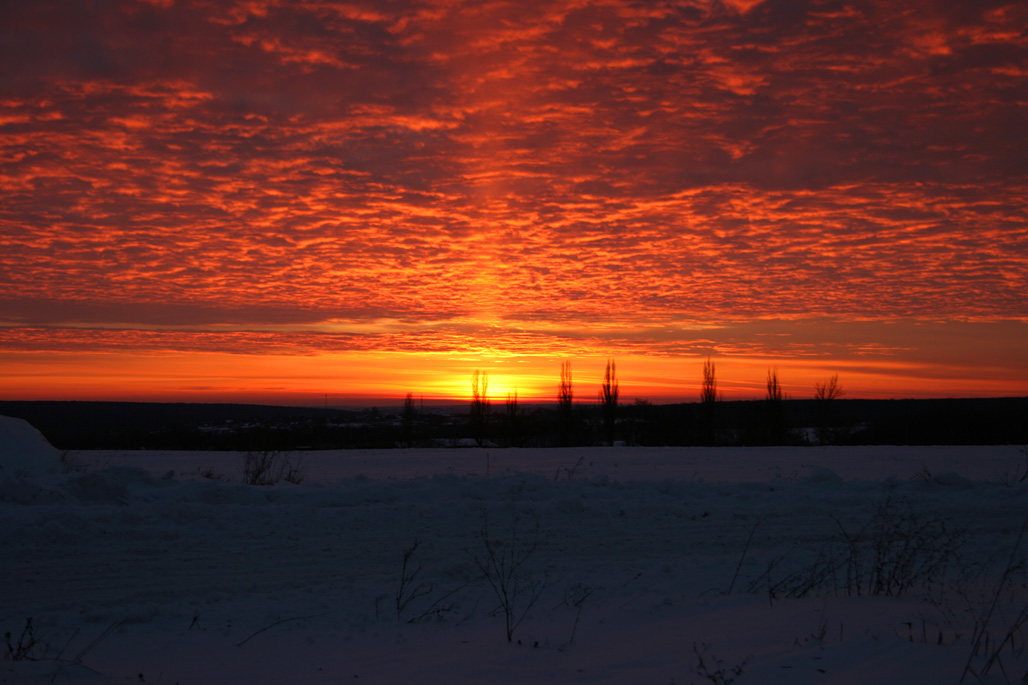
146,425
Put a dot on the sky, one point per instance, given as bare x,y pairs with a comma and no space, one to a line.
320,202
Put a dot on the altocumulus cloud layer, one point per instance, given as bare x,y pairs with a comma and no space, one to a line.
555,176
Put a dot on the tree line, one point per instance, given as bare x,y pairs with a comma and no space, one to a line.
609,422
774,419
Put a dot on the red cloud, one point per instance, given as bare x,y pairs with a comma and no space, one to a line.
611,165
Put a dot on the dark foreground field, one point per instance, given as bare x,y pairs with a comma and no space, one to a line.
601,565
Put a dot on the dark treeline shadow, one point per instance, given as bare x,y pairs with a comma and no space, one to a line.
126,425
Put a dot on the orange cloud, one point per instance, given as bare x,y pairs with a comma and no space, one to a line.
281,178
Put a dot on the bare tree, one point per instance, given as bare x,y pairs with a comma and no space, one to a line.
825,392
513,419
609,398
479,405
828,389
565,394
708,393
774,389
774,429
708,397
410,413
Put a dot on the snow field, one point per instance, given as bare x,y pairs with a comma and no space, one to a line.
213,581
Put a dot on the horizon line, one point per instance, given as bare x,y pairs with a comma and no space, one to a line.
366,402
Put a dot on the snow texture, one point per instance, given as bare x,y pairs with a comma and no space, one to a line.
633,565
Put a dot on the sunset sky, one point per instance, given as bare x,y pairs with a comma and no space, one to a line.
306,202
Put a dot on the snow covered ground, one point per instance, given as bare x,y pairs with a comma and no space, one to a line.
627,565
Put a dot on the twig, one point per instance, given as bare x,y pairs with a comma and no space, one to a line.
437,607
284,620
67,644
579,604
407,591
745,549
982,627
99,638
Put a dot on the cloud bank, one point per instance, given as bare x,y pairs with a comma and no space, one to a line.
425,170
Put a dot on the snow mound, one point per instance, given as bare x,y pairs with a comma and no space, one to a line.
24,452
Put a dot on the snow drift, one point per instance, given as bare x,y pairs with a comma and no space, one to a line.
24,452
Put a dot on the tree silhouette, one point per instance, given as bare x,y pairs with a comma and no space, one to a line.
708,393
774,389
409,417
708,398
609,398
513,418
479,405
828,389
825,392
565,394
775,432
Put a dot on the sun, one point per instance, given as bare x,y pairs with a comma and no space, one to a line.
499,387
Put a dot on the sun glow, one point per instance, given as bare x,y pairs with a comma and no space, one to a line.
529,387
386,378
